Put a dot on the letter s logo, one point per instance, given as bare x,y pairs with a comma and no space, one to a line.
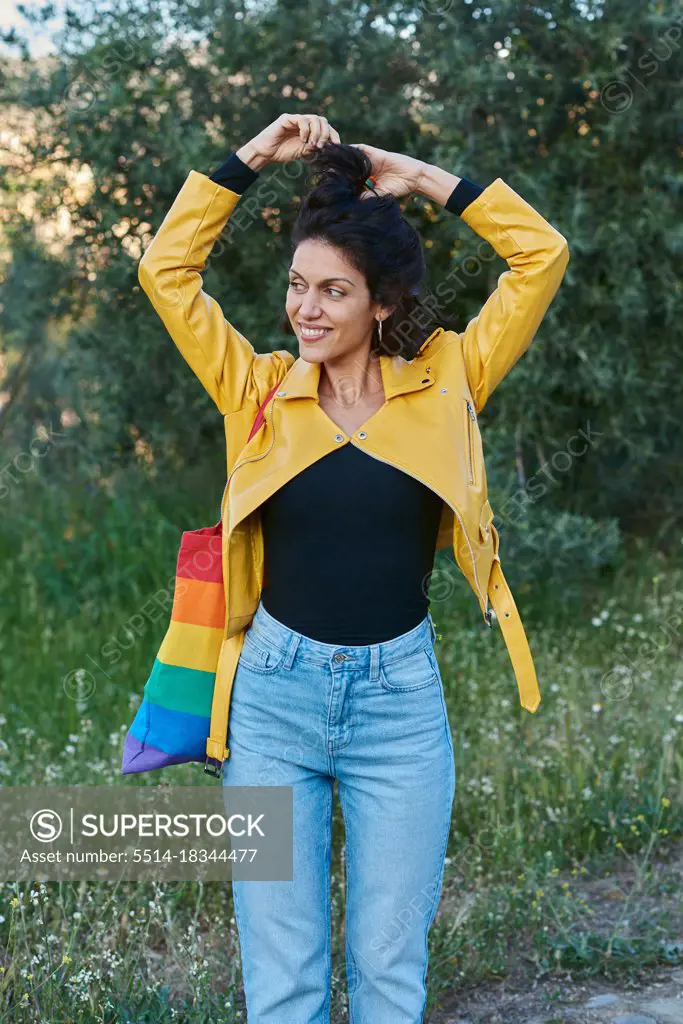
46,826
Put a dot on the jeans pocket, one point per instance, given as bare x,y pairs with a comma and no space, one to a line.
260,656
413,672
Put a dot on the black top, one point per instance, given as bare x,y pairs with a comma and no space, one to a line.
349,542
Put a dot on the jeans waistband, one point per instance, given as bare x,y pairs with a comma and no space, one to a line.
366,657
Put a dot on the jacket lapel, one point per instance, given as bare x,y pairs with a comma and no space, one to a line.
289,440
398,375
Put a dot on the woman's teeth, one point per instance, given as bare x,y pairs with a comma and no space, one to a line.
312,335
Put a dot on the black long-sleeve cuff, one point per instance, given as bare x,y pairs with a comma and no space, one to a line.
464,193
234,174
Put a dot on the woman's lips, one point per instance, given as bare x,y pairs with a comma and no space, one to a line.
313,336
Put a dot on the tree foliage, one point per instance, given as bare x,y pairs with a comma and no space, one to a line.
578,106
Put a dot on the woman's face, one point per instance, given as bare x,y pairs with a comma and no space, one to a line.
325,291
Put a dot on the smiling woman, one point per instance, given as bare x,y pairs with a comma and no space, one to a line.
349,466
329,304
357,268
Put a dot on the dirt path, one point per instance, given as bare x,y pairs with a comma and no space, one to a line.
557,1002
527,996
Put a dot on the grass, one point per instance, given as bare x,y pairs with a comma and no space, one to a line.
548,806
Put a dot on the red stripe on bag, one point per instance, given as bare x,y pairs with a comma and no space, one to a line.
200,555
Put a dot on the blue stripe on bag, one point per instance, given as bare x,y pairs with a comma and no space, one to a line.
173,732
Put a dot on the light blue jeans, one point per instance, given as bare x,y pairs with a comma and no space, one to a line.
373,717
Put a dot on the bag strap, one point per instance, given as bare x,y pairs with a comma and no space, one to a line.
216,749
256,426
260,415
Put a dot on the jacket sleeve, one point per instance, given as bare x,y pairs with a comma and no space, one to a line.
170,275
537,256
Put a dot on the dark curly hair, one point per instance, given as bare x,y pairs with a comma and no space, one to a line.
376,239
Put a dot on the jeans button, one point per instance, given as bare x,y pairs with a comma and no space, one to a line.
339,657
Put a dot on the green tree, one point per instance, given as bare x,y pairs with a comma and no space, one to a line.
577,107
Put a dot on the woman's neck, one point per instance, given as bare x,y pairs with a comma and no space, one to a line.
350,380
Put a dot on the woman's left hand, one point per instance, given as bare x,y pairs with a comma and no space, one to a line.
394,173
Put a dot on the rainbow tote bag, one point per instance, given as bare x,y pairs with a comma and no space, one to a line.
173,722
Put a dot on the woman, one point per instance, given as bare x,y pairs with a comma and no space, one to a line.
343,583
337,679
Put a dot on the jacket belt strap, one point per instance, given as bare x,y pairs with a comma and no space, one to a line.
515,638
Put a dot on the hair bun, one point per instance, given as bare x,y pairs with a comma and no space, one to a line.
337,172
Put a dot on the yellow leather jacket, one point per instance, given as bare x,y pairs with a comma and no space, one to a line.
428,425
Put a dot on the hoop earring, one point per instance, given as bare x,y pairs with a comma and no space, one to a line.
379,331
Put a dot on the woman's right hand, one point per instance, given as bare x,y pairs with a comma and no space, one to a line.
291,137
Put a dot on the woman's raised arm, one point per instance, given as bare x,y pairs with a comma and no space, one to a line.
170,269
170,275
537,255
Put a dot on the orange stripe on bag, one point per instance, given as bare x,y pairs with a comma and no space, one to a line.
199,602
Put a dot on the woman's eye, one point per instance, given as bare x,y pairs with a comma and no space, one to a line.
336,291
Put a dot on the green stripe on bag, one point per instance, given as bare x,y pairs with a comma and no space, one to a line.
180,689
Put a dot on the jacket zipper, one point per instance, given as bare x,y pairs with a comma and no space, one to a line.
244,461
454,509
225,491
470,417
254,458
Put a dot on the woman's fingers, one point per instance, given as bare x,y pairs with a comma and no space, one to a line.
304,128
307,130
314,130
317,130
335,136
328,133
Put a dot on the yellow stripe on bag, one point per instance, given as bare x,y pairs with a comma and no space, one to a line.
191,646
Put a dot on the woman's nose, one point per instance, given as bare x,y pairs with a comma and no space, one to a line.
309,310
